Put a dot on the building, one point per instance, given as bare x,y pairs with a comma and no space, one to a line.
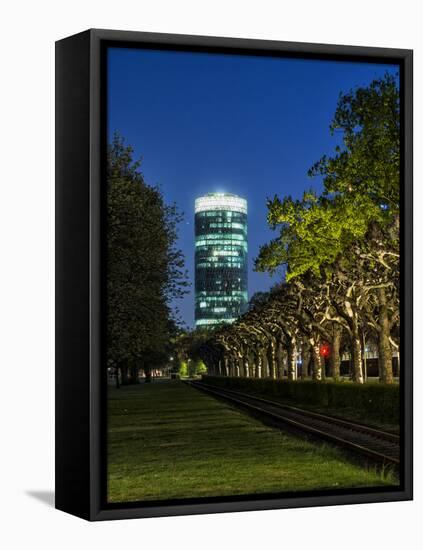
221,286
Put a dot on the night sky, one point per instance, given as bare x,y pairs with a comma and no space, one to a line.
241,124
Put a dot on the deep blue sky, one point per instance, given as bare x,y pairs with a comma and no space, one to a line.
210,122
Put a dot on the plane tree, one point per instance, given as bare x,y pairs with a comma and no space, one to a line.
339,250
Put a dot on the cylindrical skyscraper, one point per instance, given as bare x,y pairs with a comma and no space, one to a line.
221,286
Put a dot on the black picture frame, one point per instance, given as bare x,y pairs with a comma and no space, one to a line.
80,319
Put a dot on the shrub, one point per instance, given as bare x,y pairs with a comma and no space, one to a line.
381,402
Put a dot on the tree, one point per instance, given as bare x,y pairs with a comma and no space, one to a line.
145,270
187,351
339,252
369,164
349,236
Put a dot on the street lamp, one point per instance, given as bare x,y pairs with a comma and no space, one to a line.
170,370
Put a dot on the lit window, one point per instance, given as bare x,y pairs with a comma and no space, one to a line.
219,202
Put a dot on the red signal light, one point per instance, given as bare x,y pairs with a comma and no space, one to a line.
324,350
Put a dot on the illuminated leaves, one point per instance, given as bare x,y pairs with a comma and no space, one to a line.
361,191
144,268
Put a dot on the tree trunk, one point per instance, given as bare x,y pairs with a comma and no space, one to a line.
251,364
147,372
357,358
246,368
219,367
258,365
232,366
292,362
225,367
335,357
385,357
279,361
265,365
271,360
364,353
239,370
305,360
124,372
317,366
384,345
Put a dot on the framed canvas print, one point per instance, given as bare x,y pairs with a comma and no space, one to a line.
233,274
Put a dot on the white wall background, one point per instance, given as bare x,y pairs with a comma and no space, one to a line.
28,31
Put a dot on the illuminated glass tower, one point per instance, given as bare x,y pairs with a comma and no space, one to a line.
221,291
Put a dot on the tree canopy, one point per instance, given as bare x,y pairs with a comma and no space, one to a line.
145,269
339,249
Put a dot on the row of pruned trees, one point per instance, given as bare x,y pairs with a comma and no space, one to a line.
293,325
340,254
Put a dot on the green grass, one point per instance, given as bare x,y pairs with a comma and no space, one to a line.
372,403
168,441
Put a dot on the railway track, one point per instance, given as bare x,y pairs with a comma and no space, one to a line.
377,445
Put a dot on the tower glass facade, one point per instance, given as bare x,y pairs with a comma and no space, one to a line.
221,286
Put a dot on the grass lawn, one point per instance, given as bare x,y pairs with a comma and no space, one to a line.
167,441
344,409
348,413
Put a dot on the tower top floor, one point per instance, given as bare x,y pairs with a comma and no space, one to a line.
221,201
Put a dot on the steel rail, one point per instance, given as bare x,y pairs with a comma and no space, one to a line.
327,433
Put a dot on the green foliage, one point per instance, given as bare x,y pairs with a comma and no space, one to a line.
188,343
196,367
183,368
144,269
338,253
369,160
200,368
361,188
378,402
315,231
191,367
